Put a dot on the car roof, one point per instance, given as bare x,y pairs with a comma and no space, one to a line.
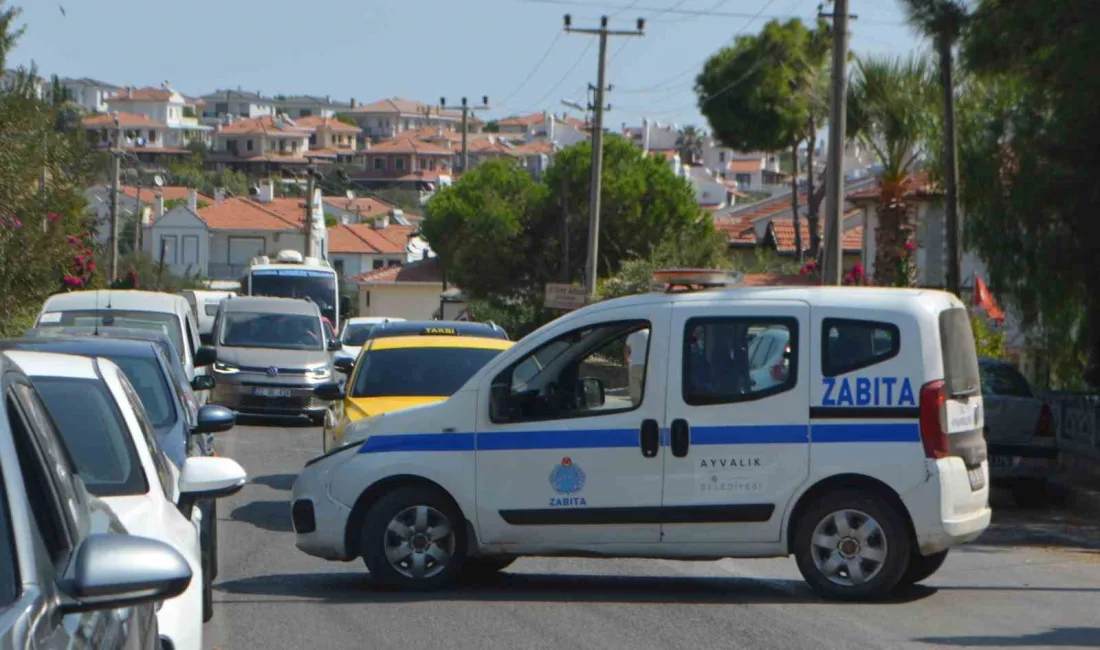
371,320
110,332
151,301
437,328
265,304
84,345
415,341
49,364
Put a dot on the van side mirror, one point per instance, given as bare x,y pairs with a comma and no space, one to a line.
500,398
205,356
329,391
344,365
592,390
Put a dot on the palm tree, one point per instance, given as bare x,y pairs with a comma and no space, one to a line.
943,21
890,111
690,145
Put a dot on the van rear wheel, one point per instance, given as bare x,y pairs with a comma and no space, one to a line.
412,539
851,546
921,567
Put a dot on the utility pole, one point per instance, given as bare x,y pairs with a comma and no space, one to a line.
466,109
138,218
834,190
592,263
309,212
116,169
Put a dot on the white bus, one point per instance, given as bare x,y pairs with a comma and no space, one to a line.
290,275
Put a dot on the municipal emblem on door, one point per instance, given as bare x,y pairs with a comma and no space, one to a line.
567,478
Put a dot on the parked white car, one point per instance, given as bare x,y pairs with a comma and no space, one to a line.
355,333
113,445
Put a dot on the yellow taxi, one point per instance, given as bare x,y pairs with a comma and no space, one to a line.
405,364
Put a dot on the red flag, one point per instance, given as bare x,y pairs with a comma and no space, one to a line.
984,299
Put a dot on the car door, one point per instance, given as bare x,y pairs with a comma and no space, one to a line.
737,451
53,502
557,468
1011,411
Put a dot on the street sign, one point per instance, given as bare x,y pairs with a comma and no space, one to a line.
565,296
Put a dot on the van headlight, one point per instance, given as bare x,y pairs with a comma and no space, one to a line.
225,368
320,372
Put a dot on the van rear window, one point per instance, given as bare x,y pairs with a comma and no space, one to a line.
960,356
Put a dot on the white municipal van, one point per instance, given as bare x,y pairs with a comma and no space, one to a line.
861,452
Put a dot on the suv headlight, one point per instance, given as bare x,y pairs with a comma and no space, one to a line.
225,368
320,372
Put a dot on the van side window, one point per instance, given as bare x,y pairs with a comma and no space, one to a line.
848,345
729,360
594,371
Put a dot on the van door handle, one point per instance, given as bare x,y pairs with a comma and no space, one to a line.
681,438
651,438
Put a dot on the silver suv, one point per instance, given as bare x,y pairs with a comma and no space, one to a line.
70,576
270,354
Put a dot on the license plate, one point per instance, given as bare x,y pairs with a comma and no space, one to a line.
1002,461
271,392
977,478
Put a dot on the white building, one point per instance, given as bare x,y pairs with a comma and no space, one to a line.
306,105
241,104
176,115
90,93
388,117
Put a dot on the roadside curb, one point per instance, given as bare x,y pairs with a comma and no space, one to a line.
1079,498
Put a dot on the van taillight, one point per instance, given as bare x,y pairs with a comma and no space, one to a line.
1044,428
933,397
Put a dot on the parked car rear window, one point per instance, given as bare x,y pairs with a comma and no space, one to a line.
849,345
960,356
418,371
95,435
1002,379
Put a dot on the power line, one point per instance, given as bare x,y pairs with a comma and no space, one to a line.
531,74
565,76
696,12
694,68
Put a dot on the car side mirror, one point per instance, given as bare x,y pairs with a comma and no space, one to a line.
120,571
205,356
593,392
329,391
500,398
207,477
214,419
334,345
203,382
344,365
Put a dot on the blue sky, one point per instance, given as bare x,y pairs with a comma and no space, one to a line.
422,49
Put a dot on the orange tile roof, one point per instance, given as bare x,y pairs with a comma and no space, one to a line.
921,184
405,144
291,210
365,205
365,239
168,193
266,124
399,106
419,271
333,124
124,119
783,232
535,119
535,147
238,213
147,94
745,166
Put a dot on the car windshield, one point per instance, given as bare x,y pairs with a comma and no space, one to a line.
418,371
146,320
95,434
357,333
150,383
278,331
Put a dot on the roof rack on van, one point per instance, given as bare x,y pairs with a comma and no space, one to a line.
683,280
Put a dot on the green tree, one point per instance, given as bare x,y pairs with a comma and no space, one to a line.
492,126
171,203
346,119
943,21
890,111
690,145
1027,151
776,75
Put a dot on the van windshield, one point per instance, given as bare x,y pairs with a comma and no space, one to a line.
127,318
278,331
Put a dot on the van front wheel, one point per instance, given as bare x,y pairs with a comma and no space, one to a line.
412,539
851,546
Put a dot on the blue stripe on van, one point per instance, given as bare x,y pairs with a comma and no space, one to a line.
626,438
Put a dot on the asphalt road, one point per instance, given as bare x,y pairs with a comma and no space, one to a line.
1033,580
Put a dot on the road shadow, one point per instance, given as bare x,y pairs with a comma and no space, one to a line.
358,587
281,422
268,515
1064,637
276,481
1051,527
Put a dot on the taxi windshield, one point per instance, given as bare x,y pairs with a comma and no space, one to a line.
418,371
